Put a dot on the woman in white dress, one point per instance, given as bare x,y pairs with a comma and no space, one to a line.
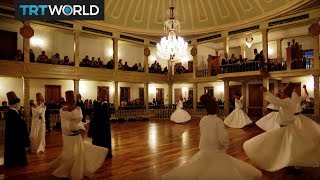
212,162
38,126
269,121
285,146
180,115
309,127
78,158
237,118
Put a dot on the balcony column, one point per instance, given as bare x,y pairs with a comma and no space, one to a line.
244,94
265,44
27,32
76,87
194,53
170,93
116,95
316,52
226,47
76,37
226,96
26,96
265,83
146,59
146,95
115,53
279,50
316,95
243,51
195,97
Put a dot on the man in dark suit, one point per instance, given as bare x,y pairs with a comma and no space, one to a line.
81,105
100,124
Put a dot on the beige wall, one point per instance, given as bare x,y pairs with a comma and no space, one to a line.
88,89
203,52
11,84
131,52
152,91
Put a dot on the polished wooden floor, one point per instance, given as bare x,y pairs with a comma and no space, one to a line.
146,150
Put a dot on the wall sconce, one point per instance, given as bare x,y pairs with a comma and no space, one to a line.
249,41
37,42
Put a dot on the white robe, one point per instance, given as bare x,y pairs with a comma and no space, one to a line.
180,115
211,162
237,118
38,129
78,158
269,121
285,146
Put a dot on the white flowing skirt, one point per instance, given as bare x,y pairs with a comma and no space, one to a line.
309,127
213,165
38,136
237,119
78,159
268,122
180,116
282,147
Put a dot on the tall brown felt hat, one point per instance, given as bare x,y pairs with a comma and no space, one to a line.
39,97
102,94
12,98
70,98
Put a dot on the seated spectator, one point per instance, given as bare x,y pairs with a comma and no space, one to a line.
66,60
120,65
154,102
55,59
85,62
165,70
190,69
135,67
32,56
96,63
126,67
158,69
110,64
19,56
4,106
124,103
140,68
154,66
43,58
92,61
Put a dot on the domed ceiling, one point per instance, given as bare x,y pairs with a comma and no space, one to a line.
196,16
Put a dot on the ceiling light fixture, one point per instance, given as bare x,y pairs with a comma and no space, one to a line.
172,46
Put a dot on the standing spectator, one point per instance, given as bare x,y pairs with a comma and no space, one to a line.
120,65
81,105
100,124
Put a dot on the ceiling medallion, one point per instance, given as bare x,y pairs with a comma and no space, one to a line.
172,46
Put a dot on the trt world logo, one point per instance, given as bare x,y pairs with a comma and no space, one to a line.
59,10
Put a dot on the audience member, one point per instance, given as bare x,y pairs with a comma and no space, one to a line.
140,68
66,60
43,58
120,65
19,55
32,56
55,59
4,106
110,64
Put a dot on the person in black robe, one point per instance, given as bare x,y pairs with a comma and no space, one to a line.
81,105
16,135
99,128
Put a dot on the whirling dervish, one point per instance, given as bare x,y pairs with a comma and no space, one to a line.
285,146
237,118
270,121
309,127
212,162
180,115
38,126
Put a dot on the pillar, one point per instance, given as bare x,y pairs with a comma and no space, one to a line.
115,43
146,59
26,97
265,83
265,44
195,97
316,52
316,95
226,47
170,93
76,87
226,96
146,95
194,53
116,95
76,36
244,94
243,51
27,32
279,50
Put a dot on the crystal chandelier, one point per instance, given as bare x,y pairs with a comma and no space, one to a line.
249,41
172,46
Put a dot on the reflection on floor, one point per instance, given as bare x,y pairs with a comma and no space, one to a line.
146,150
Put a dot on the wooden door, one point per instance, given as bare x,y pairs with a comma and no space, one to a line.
177,94
255,100
8,46
160,95
52,92
99,89
141,94
124,93
209,91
